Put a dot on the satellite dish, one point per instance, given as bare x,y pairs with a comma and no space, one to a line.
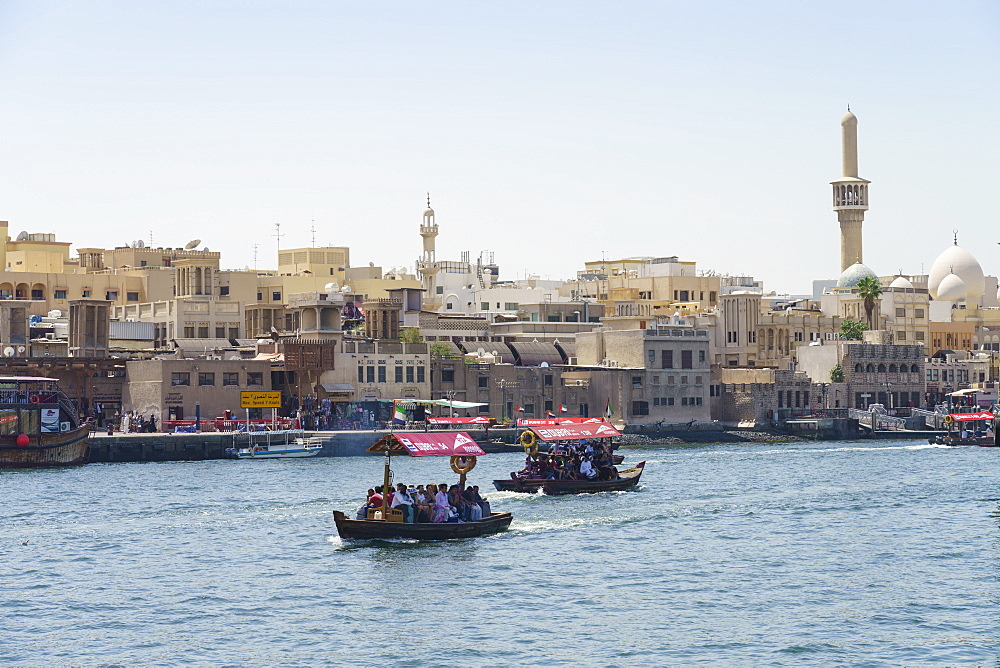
140,244
481,352
20,349
23,236
192,244
8,352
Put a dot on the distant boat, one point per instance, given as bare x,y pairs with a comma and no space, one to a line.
39,425
290,444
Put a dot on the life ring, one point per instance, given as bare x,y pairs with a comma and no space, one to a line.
33,399
462,465
529,441
949,420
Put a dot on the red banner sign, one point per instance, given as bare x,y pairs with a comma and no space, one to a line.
576,431
459,420
531,422
965,417
439,444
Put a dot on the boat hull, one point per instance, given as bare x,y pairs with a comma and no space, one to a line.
368,529
68,448
954,441
627,479
529,486
294,453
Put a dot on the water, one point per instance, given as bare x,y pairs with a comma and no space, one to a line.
826,554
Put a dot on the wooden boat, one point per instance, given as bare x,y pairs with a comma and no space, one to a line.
980,423
626,479
385,522
39,425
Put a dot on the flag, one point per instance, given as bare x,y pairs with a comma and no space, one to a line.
549,414
398,414
519,410
563,409
609,411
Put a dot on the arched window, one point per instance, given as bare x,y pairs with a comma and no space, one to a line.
892,368
858,368
881,368
870,369
914,368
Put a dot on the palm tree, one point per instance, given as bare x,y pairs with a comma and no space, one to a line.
869,290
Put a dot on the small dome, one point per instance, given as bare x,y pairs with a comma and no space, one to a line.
849,119
428,212
952,289
901,283
853,274
331,287
956,260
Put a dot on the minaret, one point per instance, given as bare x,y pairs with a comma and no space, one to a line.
427,265
850,194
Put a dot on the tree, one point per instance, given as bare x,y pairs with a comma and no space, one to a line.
837,374
410,335
440,348
869,290
852,330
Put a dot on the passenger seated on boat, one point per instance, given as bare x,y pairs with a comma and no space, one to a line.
475,512
442,507
424,506
484,505
587,468
402,501
459,503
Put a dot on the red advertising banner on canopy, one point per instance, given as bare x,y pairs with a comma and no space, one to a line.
531,422
458,420
965,417
439,444
576,431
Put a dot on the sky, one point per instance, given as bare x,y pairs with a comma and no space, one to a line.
549,133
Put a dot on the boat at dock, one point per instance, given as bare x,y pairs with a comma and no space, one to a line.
386,522
286,444
39,425
967,429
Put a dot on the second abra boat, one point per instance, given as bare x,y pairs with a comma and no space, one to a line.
285,444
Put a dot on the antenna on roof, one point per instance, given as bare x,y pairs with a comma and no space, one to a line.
255,256
278,234
313,230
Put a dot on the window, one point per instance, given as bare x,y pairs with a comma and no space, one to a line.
421,377
203,332
275,296
398,375
686,362
484,381
900,335
684,380
110,295
60,294
548,406
86,294
175,413
449,306
255,378
132,296
206,380
701,356
439,290
667,359
220,332
511,306
636,381
223,290
529,409
381,374
919,336
188,331
547,381
640,408
651,354
230,379
409,374
918,313
670,401
179,378
38,294
900,312
484,306
369,374
260,296
798,336
447,375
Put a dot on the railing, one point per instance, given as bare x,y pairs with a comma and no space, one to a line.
877,420
190,426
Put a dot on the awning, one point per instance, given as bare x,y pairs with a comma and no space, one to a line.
459,420
428,444
269,357
964,393
531,422
535,353
966,417
337,388
435,402
576,431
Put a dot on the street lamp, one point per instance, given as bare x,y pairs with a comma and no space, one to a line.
888,393
824,387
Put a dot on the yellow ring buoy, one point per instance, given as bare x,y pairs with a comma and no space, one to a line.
462,465
529,442
949,420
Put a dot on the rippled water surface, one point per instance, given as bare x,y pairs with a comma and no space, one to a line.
820,554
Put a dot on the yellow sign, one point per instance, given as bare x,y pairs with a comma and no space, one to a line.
260,399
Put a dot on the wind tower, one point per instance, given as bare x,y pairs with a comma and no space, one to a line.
427,266
850,194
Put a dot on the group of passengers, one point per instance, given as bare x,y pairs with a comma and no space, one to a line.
433,503
571,461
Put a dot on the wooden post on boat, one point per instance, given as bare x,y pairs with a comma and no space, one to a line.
385,486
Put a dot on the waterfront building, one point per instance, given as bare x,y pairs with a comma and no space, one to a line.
874,373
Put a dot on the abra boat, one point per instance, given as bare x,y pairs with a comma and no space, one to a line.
39,425
385,522
626,480
284,444
967,429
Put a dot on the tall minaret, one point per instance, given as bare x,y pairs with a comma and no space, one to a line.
427,265
850,195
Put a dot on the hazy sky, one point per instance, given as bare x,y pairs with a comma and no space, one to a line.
548,132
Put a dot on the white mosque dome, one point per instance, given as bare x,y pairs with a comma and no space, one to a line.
956,260
952,289
901,283
853,275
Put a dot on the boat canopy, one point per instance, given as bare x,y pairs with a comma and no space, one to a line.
459,420
965,393
428,444
576,431
533,422
967,417
410,403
